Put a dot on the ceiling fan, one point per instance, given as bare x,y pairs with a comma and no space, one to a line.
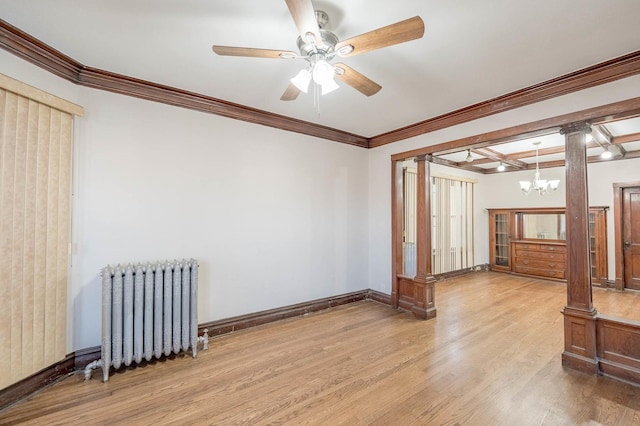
319,47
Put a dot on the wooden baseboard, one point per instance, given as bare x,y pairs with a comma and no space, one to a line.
619,371
79,359
478,268
84,357
37,381
379,297
229,325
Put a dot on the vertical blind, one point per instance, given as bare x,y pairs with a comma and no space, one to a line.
410,192
35,179
451,224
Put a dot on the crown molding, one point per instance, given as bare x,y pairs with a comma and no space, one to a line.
40,54
604,72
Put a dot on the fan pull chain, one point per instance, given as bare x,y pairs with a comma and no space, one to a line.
316,97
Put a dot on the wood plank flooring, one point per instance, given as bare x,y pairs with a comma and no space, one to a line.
491,357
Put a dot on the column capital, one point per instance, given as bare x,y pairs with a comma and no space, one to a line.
580,127
423,157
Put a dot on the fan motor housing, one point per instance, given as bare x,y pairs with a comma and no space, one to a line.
329,41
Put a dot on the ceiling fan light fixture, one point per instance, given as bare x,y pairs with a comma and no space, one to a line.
322,72
329,86
302,80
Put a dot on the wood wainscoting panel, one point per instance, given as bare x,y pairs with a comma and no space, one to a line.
405,293
618,347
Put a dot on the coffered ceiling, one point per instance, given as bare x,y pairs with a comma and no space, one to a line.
471,51
621,138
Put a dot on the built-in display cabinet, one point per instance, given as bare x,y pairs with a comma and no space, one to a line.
531,241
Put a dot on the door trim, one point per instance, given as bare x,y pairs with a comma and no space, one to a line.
617,226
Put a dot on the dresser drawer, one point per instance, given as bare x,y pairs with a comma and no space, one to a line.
546,255
547,273
540,263
526,246
553,248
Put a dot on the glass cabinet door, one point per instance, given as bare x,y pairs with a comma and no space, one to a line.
502,239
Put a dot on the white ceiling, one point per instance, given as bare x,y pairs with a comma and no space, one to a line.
471,51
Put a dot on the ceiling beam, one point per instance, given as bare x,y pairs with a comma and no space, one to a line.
612,111
497,156
601,135
545,151
633,137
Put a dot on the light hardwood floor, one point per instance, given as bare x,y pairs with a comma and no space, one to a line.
491,357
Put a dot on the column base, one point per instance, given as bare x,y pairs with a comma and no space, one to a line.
579,363
423,314
580,340
417,295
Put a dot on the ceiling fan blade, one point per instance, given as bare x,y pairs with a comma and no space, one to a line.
407,30
356,80
305,18
291,93
254,53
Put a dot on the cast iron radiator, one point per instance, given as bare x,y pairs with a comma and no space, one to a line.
148,311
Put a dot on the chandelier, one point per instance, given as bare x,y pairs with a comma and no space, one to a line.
541,186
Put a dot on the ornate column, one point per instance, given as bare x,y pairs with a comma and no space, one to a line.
424,290
579,313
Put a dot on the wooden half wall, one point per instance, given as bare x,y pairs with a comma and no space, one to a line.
618,348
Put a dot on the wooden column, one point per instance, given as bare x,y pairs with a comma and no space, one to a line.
579,313
424,307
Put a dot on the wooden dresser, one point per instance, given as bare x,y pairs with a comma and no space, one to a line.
531,241
543,259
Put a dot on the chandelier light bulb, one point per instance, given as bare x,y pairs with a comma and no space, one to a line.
541,186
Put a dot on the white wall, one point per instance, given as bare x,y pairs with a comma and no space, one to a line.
491,190
273,217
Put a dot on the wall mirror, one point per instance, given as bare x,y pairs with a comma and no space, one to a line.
544,226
